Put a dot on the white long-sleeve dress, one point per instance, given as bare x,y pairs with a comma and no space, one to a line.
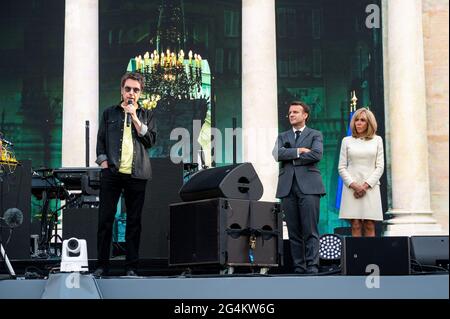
361,161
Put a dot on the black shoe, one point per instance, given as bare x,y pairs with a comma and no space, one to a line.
100,272
131,273
312,270
299,271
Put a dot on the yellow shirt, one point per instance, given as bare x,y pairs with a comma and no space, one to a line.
126,159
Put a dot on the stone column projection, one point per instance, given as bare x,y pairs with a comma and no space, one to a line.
81,84
407,115
259,90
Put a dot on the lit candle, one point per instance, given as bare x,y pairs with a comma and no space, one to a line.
167,62
134,64
141,64
138,63
196,60
181,57
155,54
146,59
190,57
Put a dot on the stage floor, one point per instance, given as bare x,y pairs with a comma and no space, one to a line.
233,287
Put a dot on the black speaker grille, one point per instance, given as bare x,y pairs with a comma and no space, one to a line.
194,233
82,223
15,192
209,232
429,250
389,254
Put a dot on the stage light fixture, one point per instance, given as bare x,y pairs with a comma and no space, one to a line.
330,247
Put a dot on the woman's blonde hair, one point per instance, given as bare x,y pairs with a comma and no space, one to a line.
371,123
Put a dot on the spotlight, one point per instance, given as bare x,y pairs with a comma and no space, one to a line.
74,255
330,248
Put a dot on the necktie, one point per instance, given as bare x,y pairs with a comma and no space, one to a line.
297,134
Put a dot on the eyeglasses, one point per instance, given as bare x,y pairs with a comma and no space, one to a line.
135,90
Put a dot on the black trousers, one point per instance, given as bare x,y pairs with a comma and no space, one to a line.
302,218
111,186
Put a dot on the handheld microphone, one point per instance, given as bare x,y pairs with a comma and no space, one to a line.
202,159
128,114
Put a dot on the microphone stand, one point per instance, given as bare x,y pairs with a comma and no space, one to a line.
234,141
87,143
8,264
6,259
12,273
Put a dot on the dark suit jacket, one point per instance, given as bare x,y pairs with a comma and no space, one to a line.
305,167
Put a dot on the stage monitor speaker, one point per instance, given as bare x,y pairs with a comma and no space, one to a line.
162,190
15,192
82,223
430,250
218,231
390,254
238,181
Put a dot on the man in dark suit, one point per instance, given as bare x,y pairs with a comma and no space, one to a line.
300,186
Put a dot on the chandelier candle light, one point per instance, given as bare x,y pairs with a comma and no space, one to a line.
169,76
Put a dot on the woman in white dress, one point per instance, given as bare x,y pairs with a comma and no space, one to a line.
361,164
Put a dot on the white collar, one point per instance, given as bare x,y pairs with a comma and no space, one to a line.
301,129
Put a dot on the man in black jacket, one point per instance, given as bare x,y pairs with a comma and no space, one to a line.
125,134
